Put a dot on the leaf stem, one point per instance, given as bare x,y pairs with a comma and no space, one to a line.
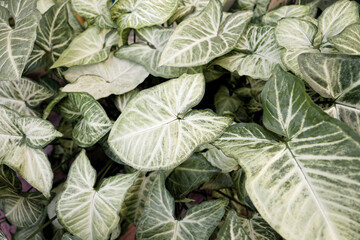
41,228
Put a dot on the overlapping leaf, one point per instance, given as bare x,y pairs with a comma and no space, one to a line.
218,159
158,218
198,40
258,6
232,229
348,41
306,186
92,123
336,77
257,228
256,54
223,101
157,130
86,212
291,11
16,42
121,101
113,76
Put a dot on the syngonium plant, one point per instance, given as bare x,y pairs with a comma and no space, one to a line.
180,118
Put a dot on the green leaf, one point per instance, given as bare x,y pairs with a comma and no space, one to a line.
291,11
44,5
190,175
149,56
23,96
92,123
160,118
10,183
256,54
158,221
259,7
94,10
239,178
68,236
98,209
198,40
336,18
224,102
348,41
336,77
218,159
25,233
87,48
121,101
232,229
24,209
16,43
257,228
53,36
314,168
113,76
134,203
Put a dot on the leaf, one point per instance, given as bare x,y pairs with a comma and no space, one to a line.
54,34
86,48
190,175
81,205
239,178
16,43
310,175
113,76
348,41
336,18
291,11
255,55
149,56
232,229
121,101
24,209
23,96
166,130
158,221
92,123
257,228
44,5
259,7
94,10
218,159
198,40
68,236
9,182
136,197
25,233
224,102
336,77
2,235
136,15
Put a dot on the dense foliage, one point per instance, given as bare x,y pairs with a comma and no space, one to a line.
181,119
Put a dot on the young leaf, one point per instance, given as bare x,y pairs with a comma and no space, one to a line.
198,40
23,96
291,11
218,159
336,77
166,131
259,7
16,43
158,221
190,175
87,48
255,55
232,229
224,102
121,101
92,121
348,41
314,169
86,212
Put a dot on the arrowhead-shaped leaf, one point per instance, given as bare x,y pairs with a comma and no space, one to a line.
223,101
232,229
113,76
158,221
198,40
92,121
348,41
161,117
291,11
16,43
258,6
86,212
23,96
315,168
336,77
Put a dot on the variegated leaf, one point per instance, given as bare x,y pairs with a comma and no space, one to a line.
87,212
336,77
198,40
94,10
2,235
92,123
87,48
291,11
121,101
348,41
218,159
166,131
259,7
134,203
68,236
258,229
9,182
44,5
113,76
16,43
224,102
190,175
23,96
255,55
232,228
314,194
158,220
